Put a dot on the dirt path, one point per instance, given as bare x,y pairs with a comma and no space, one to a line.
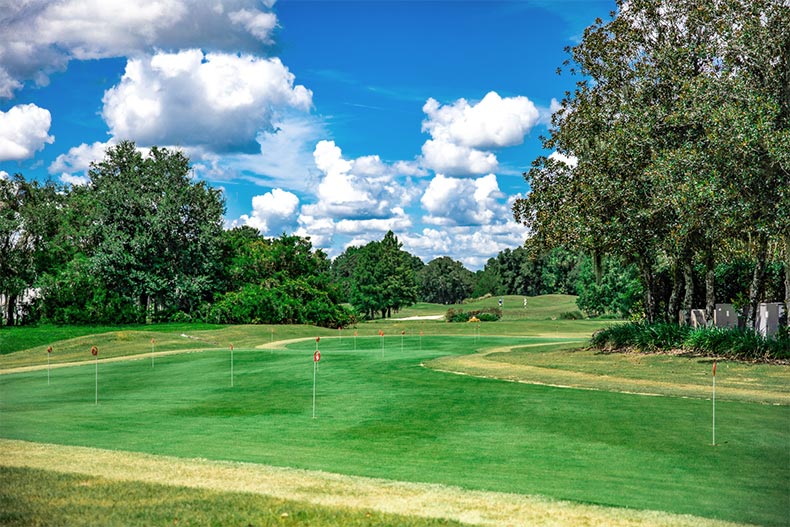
481,365
336,490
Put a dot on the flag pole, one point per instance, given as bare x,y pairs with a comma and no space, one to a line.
714,403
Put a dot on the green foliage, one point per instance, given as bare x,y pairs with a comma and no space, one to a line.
744,344
445,281
382,277
571,315
489,314
618,291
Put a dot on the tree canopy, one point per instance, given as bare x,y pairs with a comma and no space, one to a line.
674,147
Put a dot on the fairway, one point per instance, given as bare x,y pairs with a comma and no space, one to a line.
381,413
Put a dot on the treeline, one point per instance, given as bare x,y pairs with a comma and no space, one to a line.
144,242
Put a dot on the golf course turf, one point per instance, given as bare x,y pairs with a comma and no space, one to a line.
380,413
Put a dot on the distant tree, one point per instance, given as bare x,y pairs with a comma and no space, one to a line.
28,223
445,281
383,278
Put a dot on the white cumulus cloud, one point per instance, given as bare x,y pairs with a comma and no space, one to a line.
459,201
38,37
24,129
273,213
463,134
217,101
79,158
571,161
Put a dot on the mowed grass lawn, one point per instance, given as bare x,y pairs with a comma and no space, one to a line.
381,413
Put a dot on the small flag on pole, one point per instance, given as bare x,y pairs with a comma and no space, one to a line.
153,346
95,353
49,352
231,365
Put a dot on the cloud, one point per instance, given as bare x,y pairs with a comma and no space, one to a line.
74,180
3,174
457,201
571,161
217,101
38,37
79,158
24,129
273,213
472,246
363,188
463,135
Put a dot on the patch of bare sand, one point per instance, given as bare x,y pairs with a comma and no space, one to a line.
336,490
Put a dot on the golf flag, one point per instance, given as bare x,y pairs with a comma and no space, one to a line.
95,353
49,352
714,404
714,368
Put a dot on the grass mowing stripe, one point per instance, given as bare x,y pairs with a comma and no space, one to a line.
385,416
327,490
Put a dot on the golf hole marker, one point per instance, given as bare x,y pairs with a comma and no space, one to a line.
95,353
316,358
49,352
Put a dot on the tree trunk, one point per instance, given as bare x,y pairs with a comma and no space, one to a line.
787,280
758,280
10,308
673,309
648,281
710,287
688,296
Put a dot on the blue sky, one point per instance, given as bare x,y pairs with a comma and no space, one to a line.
337,120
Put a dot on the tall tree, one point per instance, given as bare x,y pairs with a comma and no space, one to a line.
657,130
156,231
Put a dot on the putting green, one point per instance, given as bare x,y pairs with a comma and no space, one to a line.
380,414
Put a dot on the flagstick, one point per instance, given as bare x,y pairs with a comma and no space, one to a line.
231,365
47,369
315,363
714,403
97,379
153,346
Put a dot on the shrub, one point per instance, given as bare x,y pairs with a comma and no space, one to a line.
571,315
734,343
491,314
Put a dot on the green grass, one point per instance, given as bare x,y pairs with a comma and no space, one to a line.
38,497
381,414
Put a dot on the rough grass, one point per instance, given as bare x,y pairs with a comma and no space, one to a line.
45,497
380,414
102,487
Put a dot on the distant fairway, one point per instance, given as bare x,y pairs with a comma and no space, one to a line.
381,414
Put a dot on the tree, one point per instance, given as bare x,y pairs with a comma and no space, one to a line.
445,281
383,278
28,222
676,141
156,232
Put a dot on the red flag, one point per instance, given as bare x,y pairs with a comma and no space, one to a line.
317,339
714,368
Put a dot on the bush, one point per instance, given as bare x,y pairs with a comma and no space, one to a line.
733,343
491,314
571,315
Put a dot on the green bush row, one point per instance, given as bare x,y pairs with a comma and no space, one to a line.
735,343
490,314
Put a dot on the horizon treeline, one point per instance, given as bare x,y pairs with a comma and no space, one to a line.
144,243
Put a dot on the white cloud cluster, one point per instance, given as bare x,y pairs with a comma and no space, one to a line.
472,246
38,37
360,189
463,135
457,201
24,129
79,158
216,101
273,213
571,160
